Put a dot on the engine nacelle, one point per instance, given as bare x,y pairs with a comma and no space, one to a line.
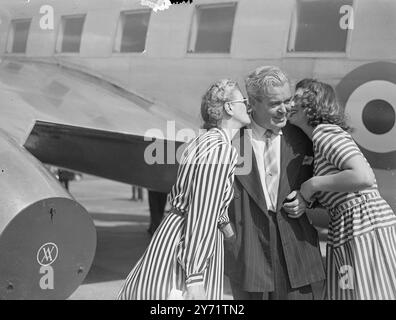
47,239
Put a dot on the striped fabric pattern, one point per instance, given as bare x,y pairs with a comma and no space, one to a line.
361,244
187,249
364,214
332,147
363,268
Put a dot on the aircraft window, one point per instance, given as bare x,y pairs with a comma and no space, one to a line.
316,27
70,33
132,31
211,30
18,36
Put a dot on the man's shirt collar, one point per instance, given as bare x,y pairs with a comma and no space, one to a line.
260,131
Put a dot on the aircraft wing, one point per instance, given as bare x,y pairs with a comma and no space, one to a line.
78,121
111,155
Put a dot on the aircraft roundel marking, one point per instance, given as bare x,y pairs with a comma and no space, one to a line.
378,116
368,94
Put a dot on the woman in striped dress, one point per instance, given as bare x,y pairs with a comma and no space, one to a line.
186,252
361,245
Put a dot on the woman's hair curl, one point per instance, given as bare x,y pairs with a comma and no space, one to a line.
319,103
212,104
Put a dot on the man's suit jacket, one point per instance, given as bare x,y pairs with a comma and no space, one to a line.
248,258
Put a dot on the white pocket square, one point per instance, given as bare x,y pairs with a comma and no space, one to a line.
307,160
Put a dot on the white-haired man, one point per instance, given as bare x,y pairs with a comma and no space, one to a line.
276,252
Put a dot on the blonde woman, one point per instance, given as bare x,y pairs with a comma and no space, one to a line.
186,252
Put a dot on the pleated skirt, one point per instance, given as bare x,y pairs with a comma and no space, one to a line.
361,250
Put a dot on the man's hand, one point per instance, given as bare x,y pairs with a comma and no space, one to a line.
295,205
196,292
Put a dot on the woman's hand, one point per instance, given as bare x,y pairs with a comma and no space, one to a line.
196,292
307,190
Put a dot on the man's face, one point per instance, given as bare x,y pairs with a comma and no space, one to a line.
271,111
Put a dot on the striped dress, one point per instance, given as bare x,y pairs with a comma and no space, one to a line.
187,248
361,244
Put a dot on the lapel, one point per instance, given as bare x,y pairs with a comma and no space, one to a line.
251,181
291,161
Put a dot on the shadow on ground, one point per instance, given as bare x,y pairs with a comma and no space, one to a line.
121,241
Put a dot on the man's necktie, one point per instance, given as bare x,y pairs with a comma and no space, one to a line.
271,168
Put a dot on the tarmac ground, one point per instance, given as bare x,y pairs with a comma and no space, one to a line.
122,235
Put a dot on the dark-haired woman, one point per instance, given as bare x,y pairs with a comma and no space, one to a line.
361,246
186,252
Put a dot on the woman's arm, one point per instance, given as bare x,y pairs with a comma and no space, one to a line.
207,194
356,175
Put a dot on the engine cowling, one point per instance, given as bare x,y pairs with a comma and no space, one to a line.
47,239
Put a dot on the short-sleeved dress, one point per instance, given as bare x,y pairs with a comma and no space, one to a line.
361,244
187,248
